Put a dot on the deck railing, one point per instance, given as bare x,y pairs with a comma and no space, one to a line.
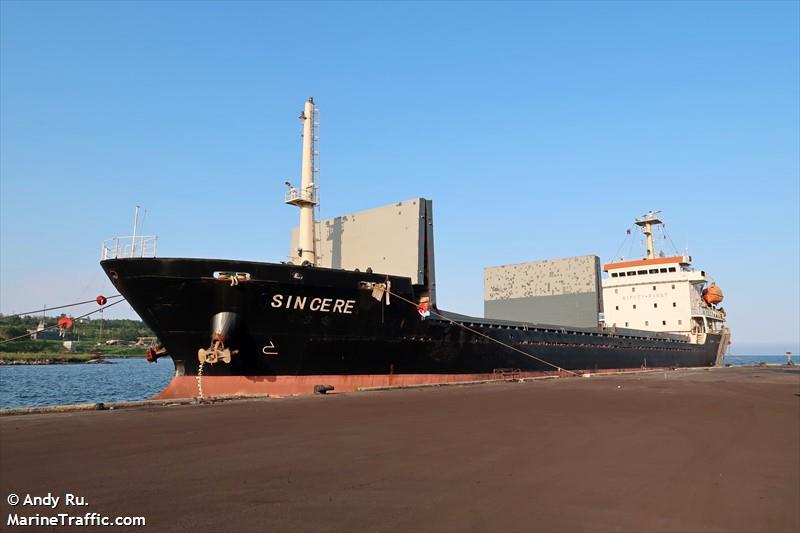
307,196
707,311
129,247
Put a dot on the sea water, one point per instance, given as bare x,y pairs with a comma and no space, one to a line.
136,379
744,360
121,380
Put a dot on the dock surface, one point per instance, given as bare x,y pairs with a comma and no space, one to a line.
700,450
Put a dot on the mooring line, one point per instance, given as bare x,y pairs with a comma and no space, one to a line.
94,300
749,363
56,325
501,343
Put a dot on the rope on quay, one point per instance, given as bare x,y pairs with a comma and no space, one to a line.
501,343
54,326
94,300
747,362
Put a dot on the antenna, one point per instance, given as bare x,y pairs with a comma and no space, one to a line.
141,223
135,222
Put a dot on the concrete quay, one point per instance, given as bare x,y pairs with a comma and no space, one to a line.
687,450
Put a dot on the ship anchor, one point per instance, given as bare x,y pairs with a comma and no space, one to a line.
215,353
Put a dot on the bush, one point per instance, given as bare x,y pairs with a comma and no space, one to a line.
31,346
10,332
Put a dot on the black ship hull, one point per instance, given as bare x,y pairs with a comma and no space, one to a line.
296,327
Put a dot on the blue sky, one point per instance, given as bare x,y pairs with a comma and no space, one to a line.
538,129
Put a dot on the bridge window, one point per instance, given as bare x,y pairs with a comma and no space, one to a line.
632,273
672,269
622,274
654,271
640,272
655,305
663,270
613,274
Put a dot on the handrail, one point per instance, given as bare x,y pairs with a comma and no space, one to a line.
129,247
704,311
293,194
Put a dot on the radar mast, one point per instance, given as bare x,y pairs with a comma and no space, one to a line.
647,221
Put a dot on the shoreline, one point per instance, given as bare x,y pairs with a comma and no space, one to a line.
54,360
34,359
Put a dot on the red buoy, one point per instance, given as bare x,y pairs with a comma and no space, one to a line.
101,300
64,322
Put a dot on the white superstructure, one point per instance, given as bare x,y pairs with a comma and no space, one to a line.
659,293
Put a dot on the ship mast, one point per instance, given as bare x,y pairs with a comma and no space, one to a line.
647,221
306,198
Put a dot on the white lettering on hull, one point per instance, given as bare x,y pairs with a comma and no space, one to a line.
319,305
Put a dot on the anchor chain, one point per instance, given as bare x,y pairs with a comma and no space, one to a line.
200,380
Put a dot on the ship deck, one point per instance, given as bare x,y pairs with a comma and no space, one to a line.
687,450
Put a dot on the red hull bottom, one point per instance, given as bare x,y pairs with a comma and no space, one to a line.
213,386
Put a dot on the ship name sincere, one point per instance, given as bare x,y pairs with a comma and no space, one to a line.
321,305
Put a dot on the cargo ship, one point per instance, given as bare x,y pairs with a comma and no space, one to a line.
355,308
